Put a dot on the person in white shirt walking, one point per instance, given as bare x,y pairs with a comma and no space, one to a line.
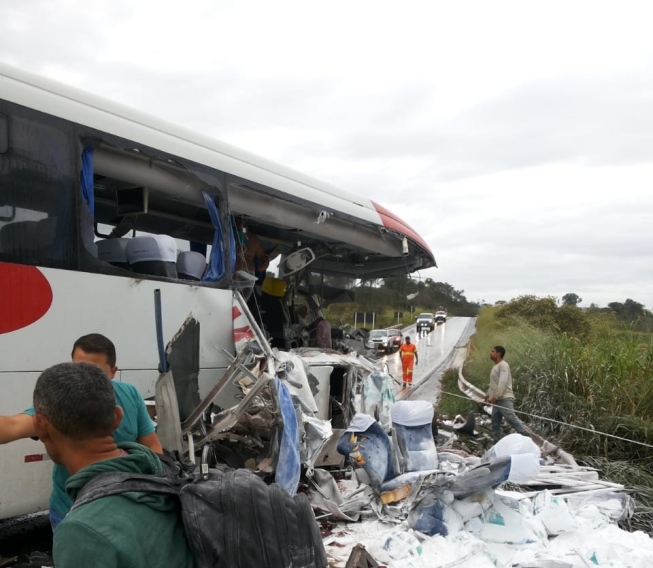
501,396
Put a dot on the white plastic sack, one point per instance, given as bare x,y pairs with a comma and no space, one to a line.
399,545
610,547
474,505
413,412
615,505
515,444
505,523
524,467
554,513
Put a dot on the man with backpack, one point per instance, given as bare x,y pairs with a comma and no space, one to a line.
75,417
136,425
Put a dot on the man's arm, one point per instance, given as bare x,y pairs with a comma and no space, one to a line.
151,441
16,427
146,434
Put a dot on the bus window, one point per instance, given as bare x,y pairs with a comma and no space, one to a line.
37,203
151,207
4,134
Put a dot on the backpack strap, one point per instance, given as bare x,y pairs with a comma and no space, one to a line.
117,482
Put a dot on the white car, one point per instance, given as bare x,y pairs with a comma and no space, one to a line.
379,339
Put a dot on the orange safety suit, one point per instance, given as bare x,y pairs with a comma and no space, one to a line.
408,353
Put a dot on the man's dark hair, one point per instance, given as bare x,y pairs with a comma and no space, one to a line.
78,399
97,343
407,339
500,350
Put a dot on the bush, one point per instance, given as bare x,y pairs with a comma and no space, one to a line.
600,381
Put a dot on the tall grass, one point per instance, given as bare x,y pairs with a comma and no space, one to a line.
602,382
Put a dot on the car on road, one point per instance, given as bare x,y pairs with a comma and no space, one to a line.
425,322
397,338
440,317
380,339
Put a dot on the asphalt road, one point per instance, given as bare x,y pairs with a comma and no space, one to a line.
437,351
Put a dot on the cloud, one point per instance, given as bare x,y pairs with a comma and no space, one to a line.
516,141
602,120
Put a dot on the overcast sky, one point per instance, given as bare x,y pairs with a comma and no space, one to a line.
515,137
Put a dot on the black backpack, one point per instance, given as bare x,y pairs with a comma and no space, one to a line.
232,518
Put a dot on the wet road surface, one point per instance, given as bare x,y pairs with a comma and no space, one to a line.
436,353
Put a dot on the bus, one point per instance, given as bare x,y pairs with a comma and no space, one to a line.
101,206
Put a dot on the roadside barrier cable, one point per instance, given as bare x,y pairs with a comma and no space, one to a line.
591,430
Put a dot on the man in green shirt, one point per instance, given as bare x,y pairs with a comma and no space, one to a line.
136,425
75,418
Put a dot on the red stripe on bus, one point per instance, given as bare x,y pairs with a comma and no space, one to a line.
235,312
241,333
391,221
25,296
34,458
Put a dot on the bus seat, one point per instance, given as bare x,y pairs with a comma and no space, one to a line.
113,251
46,233
414,447
44,238
191,265
17,236
155,255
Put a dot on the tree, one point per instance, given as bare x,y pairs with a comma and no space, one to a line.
544,313
571,299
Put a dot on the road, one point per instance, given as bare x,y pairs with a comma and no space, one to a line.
437,351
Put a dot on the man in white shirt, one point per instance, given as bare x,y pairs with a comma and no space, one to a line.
501,396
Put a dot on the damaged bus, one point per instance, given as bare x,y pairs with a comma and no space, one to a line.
109,217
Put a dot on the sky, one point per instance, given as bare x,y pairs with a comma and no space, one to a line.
515,137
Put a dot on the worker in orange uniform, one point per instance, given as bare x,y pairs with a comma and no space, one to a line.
408,353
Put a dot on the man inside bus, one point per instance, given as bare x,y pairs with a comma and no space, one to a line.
76,415
250,254
136,425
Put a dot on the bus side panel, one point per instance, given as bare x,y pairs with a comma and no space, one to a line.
25,485
123,310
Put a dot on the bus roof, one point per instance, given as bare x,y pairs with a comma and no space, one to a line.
71,104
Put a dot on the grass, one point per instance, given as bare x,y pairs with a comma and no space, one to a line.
450,406
601,382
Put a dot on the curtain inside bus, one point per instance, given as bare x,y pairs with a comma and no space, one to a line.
87,206
86,179
215,270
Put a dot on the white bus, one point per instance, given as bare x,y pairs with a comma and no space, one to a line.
85,184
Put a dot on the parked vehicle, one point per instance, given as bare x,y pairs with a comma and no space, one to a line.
379,339
425,322
440,317
397,338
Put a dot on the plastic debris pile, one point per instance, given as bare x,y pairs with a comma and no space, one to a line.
409,505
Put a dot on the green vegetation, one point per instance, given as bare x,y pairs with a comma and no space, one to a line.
400,295
451,406
590,369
